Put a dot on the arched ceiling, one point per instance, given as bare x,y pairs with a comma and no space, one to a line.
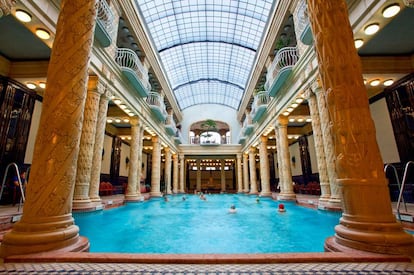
207,47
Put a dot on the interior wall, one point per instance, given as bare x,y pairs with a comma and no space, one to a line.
34,127
106,158
125,160
384,132
294,154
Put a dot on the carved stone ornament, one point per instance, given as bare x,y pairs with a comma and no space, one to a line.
409,3
5,7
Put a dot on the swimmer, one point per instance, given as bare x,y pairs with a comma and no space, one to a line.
282,208
257,200
232,209
165,198
184,198
202,197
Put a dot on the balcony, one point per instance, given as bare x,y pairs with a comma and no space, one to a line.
259,106
170,126
280,69
157,106
248,125
242,137
133,70
303,26
178,137
104,28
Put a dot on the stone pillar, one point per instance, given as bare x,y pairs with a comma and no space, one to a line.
223,175
335,200
156,167
182,174
246,173
47,223
239,174
367,221
175,173
98,148
167,173
279,162
6,6
140,175
81,200
320,153
134,165
252,166
198,176
264,167
287,192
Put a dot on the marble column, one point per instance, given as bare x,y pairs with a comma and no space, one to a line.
222,175
320,153
140,175
287,192
182,174
156,167
6,6
239,174
279,161
264,168
198,177
47,223
246,173
134,165
98,148
175,173
367,221
167,173
327,138
252,166
81,200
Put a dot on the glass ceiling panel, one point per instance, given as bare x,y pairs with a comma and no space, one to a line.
207,47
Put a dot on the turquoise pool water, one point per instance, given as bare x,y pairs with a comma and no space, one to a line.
195,226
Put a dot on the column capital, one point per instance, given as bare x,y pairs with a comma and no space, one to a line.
264,138
135,121
174,156
181,156
282,121
155,139
308,93
252,149
6,6
239,155
95,85
316,85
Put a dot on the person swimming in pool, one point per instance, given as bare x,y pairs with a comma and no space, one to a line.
232,209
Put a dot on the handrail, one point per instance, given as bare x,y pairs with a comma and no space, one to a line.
285,57
106,16
22,198
127,58
402,188
397,179
302,16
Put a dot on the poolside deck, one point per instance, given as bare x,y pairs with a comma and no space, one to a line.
206,264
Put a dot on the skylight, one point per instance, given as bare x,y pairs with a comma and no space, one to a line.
207,47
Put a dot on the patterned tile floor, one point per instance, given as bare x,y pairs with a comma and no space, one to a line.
213,269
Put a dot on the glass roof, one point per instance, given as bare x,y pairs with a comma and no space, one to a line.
207,47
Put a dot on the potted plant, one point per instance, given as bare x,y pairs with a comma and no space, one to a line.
208,125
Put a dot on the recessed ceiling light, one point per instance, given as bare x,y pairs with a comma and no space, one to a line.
388,82
117,120
391,10
31,85
117,101
291,120
299,100
300,119
126,120
23,16
286,113
375,82
371,29
109,120
308,120
294,105
122,106
42,85
358,43
42,34
290,109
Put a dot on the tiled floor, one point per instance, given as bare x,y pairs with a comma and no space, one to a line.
213,269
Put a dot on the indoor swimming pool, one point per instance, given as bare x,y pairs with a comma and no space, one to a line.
187,224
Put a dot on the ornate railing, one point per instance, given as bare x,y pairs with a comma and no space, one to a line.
303,25
105,16
248,125
170,124
127,59
261,99
285,58
156,103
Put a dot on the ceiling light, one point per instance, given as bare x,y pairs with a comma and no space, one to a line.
286,113
371,29
117,101
391,10
126,120
358,43
42,85
123,138
300,119
365,81
42,34
308,120
294,105
290,109
109,120
299,100
31,85
117,120
375,82
388,82
23,16
291,120
122,106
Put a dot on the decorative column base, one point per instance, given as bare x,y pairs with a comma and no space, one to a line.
134,197
334,204
83,205
286,196
51,234
266,194
156,194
